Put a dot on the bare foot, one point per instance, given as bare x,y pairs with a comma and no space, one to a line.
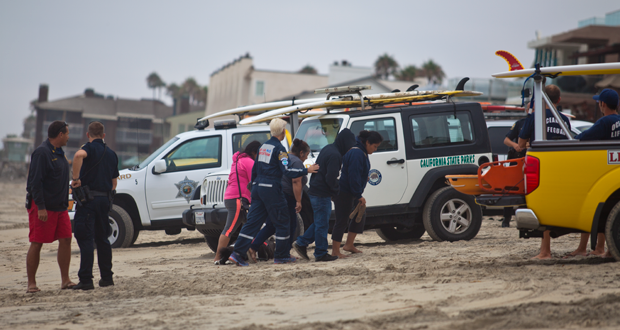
576,253
340,255
542,257
252,255
351,249
33,289
597,253
67,285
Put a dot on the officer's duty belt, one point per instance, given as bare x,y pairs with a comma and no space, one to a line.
99,193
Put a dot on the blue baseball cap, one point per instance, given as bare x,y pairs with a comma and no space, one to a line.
609,96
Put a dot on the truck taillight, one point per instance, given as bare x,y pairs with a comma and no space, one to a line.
532,173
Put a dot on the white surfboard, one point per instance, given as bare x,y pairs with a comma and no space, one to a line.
259,107
374,99
566,70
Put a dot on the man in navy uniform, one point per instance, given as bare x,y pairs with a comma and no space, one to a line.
606,128
267,196
554,130
96,166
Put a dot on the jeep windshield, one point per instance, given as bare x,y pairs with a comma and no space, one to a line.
150,158
319,132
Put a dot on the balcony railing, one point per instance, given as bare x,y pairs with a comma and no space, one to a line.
134,136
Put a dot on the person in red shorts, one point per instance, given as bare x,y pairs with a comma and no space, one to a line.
47,201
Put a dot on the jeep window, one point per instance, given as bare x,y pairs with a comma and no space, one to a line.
195,154
319,132
432,130
241,140
150,158
385,126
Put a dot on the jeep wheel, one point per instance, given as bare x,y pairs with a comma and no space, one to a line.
451,216
397,233
122,228
212,237
300,227
612,232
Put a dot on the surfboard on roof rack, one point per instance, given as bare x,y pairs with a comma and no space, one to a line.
565,70
355,101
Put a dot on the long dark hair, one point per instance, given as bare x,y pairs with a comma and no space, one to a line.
372,137
252,148
299,146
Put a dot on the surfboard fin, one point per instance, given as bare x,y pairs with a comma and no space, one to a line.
412,88
513,62
461,85
395,91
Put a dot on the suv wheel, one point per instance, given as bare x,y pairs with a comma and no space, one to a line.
612,232
397,233
122,228
451,216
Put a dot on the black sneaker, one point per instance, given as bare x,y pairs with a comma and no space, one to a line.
103,283
301,250
83,286
326,257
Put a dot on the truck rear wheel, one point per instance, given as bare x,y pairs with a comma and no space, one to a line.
451,216
122,228
612,232
397,233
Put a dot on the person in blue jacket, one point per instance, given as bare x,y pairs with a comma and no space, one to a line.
353,179
554,130
606,128
267,197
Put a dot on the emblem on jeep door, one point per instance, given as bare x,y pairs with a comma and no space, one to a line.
374,177
186,189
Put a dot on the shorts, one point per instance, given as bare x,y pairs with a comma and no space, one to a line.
56,227
236,216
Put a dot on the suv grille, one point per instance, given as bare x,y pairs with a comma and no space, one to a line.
214,192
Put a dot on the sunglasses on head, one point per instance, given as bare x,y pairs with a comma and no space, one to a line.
62,127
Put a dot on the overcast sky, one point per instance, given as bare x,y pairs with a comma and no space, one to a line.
112,46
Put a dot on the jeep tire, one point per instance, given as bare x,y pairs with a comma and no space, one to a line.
122,228
451,216
397,233
612,232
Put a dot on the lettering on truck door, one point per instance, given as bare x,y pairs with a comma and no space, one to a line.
387,179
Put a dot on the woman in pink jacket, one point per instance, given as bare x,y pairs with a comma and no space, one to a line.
237,194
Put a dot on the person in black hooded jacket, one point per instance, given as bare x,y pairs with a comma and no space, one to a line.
323,187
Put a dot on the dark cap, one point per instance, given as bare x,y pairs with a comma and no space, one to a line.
608,96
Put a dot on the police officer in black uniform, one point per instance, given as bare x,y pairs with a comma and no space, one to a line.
97,166
267,197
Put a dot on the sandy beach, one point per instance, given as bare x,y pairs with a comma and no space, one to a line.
169,282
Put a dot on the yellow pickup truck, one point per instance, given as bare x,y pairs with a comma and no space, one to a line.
568,186
572,186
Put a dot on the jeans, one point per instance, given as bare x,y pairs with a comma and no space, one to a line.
268,203
270,229
91,225
317,232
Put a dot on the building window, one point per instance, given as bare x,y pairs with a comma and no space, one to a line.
260,88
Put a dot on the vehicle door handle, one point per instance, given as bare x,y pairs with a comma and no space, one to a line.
395,161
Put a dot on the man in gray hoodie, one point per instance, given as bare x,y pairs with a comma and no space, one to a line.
323,187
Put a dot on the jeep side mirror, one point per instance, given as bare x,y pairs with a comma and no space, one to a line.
159,166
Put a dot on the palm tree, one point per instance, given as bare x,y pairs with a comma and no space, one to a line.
385,66
308,69
173,90
154,81
433,72
190,87
408,73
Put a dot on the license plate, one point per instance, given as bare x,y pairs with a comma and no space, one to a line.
199,218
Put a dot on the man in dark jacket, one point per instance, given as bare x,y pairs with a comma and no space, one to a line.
323,187
47,202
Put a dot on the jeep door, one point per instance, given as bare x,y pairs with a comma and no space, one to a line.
169,193
387,178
